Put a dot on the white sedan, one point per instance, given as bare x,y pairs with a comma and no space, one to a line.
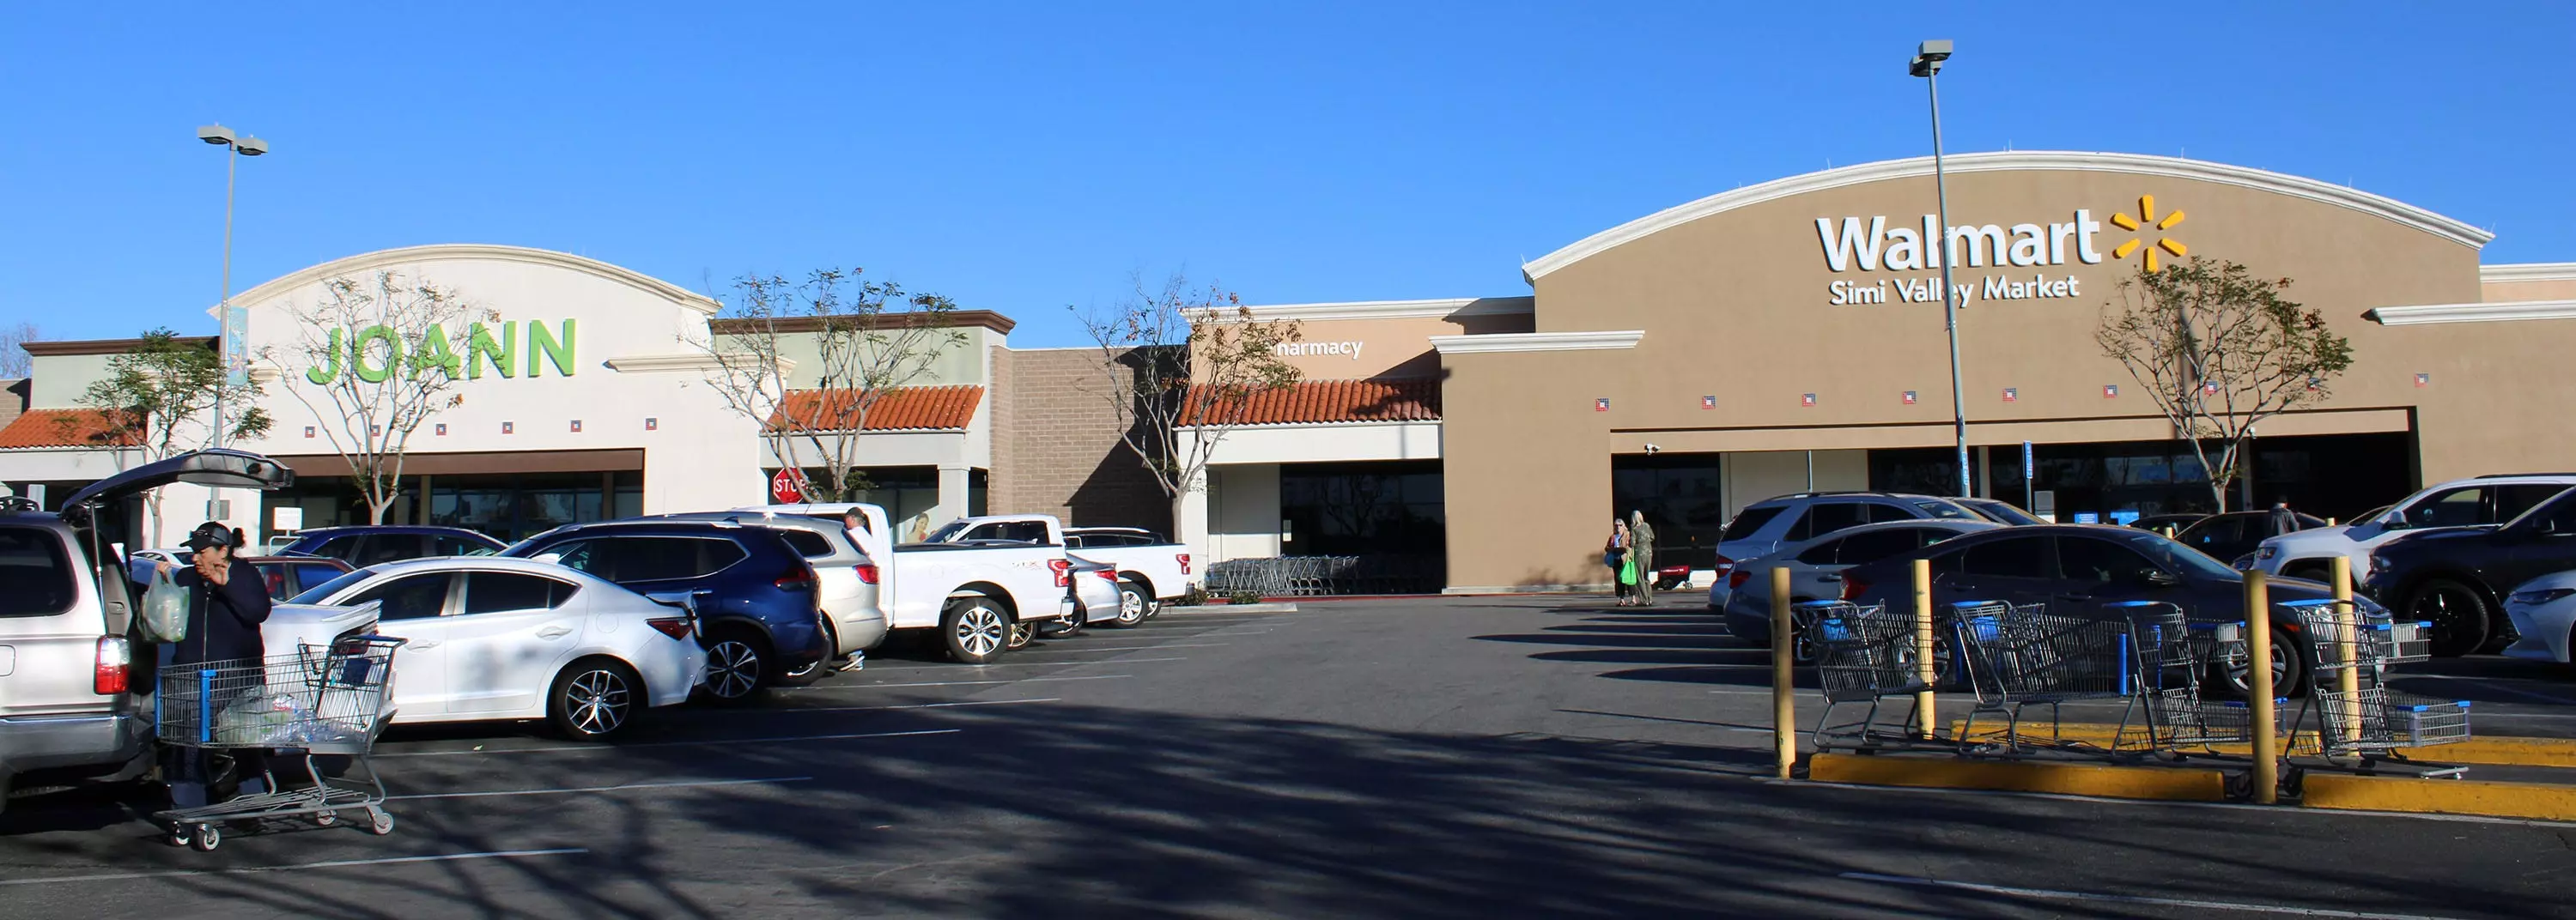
493,638
2543,610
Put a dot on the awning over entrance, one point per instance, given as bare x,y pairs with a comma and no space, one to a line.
317,466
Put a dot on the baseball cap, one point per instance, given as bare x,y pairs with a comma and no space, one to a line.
210,533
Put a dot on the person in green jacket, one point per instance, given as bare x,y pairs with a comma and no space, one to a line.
1641,550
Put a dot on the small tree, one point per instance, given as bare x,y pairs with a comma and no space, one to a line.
161,399
1191,359
14,361
849,341
2219,351
379,356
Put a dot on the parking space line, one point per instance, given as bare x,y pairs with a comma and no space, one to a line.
579,748
1139,648
981,683
1050,699
1019,664
628,787
334,864
2053,895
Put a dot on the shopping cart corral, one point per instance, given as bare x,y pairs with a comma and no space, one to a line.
327,701
1865,655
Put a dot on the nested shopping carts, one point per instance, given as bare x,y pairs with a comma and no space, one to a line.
326,701
2014,656
2350,705
1863,656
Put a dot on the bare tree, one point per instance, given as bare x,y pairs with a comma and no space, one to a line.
160,400
809,359
379,356
1191,361
2219,351
14,362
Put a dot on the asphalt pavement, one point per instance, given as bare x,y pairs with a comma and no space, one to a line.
1369,758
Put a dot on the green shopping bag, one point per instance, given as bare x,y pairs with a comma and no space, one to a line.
1628,571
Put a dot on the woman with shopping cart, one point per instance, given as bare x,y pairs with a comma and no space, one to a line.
227,602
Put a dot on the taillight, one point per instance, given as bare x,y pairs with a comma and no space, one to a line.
113,656
1063,572
674,627
800,578
1185,562
1738,579
1852,587
1109,575
1722,565
867,573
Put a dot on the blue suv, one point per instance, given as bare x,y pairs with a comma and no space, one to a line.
759,613
370,544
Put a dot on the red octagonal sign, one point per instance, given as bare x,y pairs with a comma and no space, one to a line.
788,487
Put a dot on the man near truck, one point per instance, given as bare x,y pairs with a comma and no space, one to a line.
227,602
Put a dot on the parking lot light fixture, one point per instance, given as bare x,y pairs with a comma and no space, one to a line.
1928,58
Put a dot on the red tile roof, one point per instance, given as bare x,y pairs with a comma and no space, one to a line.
63,428
1320,401
902,409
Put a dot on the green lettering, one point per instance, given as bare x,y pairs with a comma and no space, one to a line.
358,354
323,374
434,353
542,343
480,351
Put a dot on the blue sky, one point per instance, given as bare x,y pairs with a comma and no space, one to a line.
1023,158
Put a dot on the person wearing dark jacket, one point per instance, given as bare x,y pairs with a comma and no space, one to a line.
227,602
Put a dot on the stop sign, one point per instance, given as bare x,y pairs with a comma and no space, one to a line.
788,487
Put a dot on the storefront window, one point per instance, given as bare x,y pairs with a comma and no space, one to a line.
2323,475
1680,495
1393,508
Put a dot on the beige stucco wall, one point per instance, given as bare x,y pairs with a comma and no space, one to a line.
1735,305
2536,289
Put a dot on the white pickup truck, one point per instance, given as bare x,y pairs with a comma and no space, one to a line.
1150,569
973,593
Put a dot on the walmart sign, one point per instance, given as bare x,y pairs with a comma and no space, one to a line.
376,353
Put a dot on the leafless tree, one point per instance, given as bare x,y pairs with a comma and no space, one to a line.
378,357
160,400
1179,365
809,359
2219,351
14,362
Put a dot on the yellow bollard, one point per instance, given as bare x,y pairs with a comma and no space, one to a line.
2347,632
1784,700
1926,713
2258,702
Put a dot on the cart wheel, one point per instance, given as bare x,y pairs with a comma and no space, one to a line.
207,838
380,822
326,818
179,837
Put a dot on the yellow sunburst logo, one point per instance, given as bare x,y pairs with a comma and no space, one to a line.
2147,215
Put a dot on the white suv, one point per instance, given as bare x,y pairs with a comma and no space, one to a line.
2310,553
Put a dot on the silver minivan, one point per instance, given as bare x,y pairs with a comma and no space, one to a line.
75,698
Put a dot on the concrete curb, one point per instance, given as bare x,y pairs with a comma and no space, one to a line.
2541,801
2155,783
1230,608
2493,751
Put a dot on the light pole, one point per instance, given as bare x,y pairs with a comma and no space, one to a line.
1927,64
235,148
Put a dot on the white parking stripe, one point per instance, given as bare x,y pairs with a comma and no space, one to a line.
981,683
334,864
579,748
1051,699
1138,648
687,784
2047,894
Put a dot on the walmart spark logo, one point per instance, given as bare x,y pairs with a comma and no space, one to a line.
2147,215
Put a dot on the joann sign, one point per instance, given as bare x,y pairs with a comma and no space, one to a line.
376,353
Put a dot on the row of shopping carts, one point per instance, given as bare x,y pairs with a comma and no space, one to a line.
319,701
2148,657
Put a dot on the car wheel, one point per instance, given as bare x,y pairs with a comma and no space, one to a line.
1131,605
1021,633
2289,669
736,663
821,667
593,698
976,629
2458,613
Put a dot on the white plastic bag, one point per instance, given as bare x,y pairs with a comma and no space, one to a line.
164,617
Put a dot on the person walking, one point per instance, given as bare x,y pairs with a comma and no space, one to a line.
1641,557
227,602
1614,554
2283,519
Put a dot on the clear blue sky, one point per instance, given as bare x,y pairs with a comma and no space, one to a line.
1022,158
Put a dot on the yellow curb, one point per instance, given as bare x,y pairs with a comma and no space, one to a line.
2160,783
2498,750
2541,801
2106,736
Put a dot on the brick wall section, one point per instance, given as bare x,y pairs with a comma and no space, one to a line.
1056,448
13,398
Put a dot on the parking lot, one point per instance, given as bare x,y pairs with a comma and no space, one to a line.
1470,756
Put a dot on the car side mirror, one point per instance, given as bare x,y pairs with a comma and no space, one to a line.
2159,578
550,558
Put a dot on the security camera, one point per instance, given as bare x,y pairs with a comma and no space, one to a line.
1651,449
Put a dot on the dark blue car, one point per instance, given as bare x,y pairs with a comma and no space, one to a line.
369,544
760,615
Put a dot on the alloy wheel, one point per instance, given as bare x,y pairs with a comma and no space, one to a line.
1131,606
733,669
598,701
2237,674
980,630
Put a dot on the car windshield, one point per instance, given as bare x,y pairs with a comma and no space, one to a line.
2178,557
315,594
2002,513
1944,510
944,534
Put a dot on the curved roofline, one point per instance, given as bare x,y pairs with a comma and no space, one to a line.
2170,167
381,258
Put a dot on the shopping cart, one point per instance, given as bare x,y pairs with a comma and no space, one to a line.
1863,655
2019,655
2169,715
2356,714
326,701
